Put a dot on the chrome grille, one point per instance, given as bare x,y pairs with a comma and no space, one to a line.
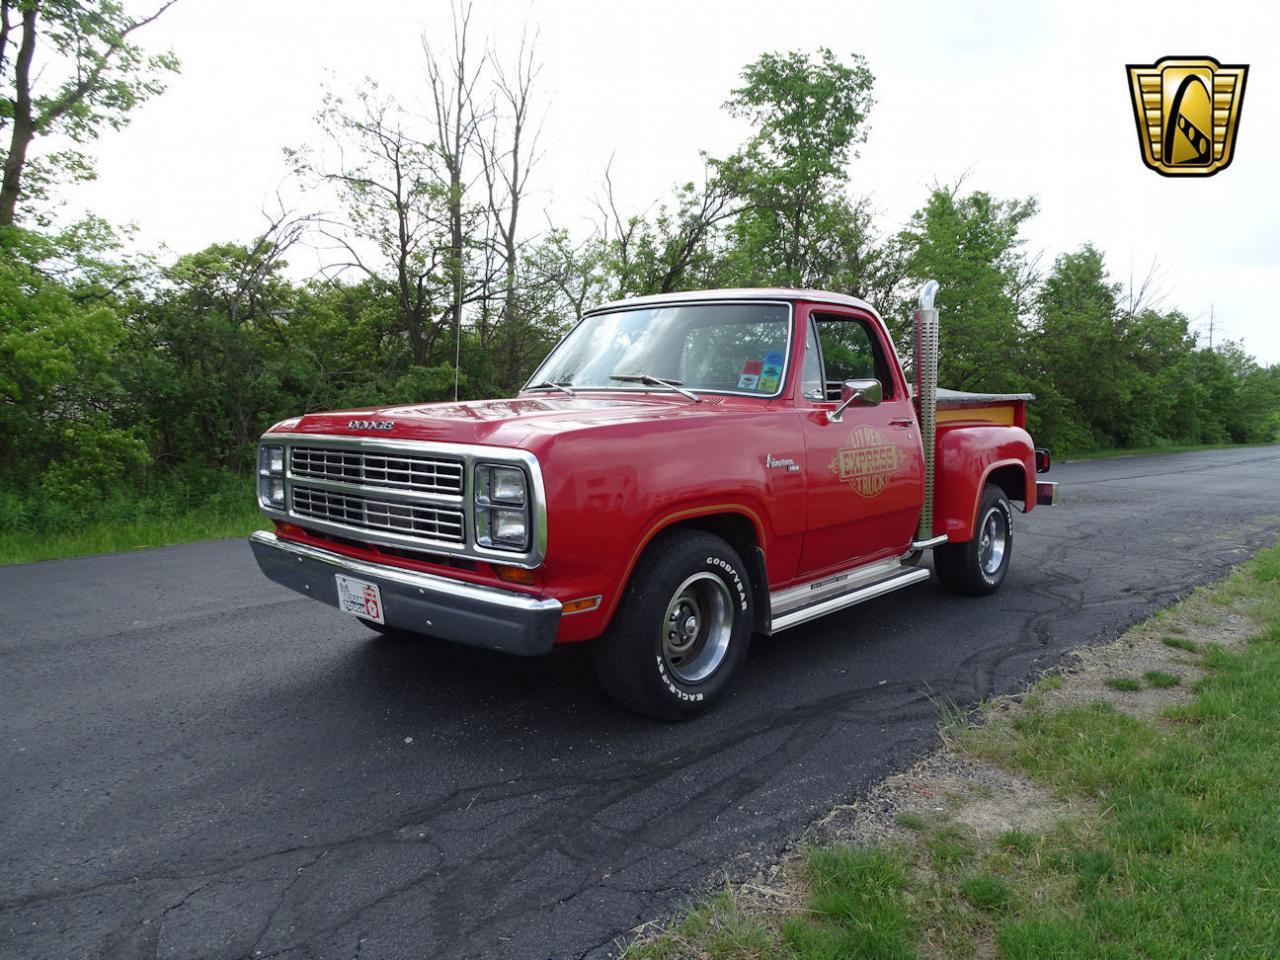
353,510
397,471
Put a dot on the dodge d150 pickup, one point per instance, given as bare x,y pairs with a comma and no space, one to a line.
683,471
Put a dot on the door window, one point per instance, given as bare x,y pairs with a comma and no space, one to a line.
850,351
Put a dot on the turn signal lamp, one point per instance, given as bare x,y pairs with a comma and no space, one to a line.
581,605
516,575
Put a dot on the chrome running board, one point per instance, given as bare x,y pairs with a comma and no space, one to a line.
858,586
807,594
928,544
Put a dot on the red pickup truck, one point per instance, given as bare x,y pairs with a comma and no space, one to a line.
681,472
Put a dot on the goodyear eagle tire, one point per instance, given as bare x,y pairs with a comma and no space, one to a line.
681,632
977,567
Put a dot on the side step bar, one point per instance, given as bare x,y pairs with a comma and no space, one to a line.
928,544
899,578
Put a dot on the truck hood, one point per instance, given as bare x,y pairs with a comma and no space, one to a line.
523,422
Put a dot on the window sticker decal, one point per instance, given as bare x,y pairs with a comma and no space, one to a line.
771,372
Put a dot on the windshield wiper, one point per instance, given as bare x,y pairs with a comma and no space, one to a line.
550,385
653,381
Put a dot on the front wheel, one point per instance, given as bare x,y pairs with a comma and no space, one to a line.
682,630
978,566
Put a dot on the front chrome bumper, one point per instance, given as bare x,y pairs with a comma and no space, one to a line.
419,602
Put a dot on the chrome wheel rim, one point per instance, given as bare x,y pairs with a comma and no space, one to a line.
993,541
697,627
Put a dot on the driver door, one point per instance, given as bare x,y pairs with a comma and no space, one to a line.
865,474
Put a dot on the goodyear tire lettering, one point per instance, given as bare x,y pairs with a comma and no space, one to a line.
737,580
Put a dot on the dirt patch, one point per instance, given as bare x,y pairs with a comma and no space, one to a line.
1143,650
944,787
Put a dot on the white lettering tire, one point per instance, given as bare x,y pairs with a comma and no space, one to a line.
682,629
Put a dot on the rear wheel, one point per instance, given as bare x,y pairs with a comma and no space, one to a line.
978,566
682,630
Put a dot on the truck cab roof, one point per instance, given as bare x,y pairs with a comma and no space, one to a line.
739,293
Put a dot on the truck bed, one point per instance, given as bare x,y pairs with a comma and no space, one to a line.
1009,409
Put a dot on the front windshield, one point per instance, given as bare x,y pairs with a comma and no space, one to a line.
718,348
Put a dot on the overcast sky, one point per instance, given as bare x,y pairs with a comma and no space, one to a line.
1027,99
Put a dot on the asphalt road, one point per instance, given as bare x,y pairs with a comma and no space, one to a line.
197,763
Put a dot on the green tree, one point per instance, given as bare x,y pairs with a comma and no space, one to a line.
68,68
1153,359
675,248
214,357
397,231
972,246
809,113
1076,342
60,345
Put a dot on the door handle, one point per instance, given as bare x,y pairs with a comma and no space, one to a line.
902,422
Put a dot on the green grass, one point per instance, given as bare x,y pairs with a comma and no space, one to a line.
858,908
1171,851
1125,684
949,848
223,506
1018,841
97,538
1147,451
1181,643
911,821
1190,844
1161,680
986,891
719,925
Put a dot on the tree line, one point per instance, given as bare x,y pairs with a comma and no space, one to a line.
118,372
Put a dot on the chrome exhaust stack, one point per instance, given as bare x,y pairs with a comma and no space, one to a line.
927,398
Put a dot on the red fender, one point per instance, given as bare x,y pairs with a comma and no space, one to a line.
967,456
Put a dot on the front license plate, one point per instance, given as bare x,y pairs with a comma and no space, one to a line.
361,598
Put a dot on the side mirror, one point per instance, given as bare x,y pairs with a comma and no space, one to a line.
867,392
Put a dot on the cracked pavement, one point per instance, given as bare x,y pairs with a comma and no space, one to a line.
195,762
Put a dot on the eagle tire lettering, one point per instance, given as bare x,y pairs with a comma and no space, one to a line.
672,688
